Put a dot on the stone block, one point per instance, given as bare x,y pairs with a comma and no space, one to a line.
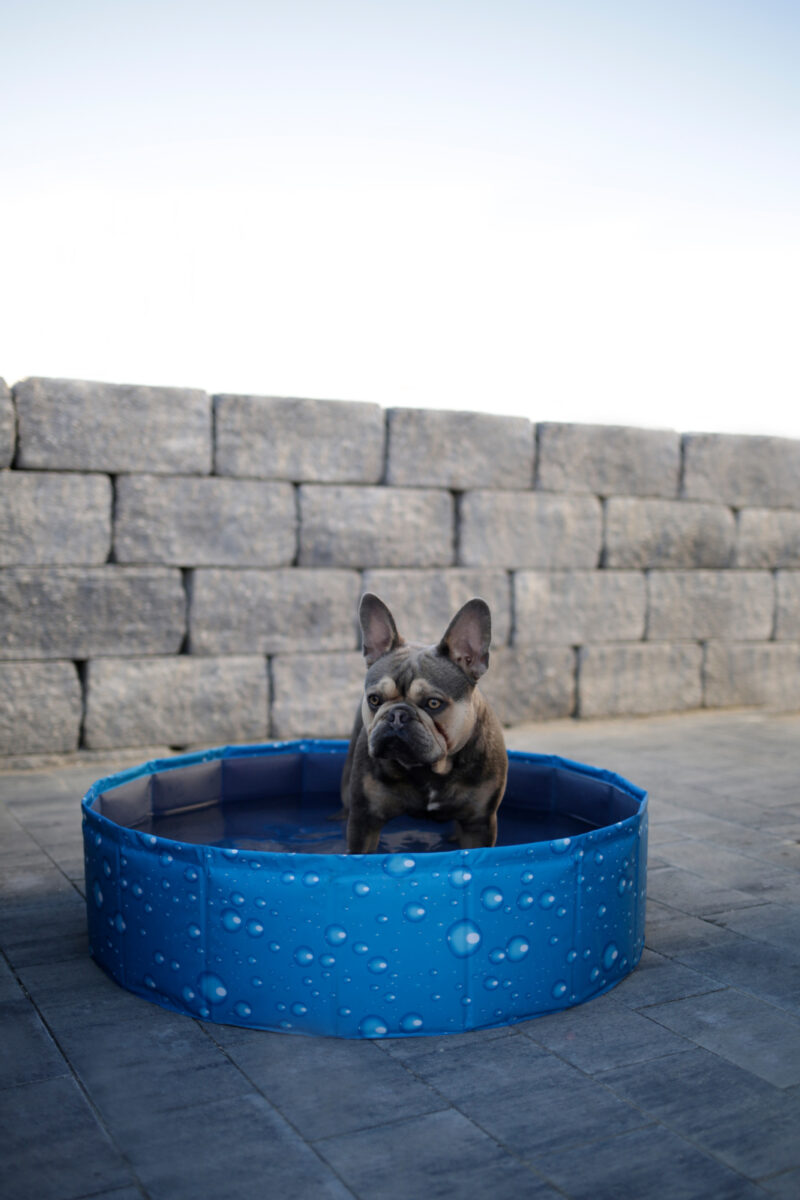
755,472
637,679
530,683
699,605
8,426
316,695
458,450
753,673
63,612
204,522
529,529
768,538
423,602
608,460
273,612
41,707
787,618
181,701
576,607
317,441
48,518
668,533
69,424
375,527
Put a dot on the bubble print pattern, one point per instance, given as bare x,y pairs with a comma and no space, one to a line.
406,944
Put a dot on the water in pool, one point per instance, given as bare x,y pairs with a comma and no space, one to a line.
289,824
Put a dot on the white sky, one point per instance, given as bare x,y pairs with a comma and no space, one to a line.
561,209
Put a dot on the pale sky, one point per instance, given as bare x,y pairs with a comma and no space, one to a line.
565,210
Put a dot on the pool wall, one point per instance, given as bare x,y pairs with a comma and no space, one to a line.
362,946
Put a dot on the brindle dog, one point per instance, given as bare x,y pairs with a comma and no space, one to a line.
425,741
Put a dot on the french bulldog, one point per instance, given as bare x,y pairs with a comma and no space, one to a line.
425,741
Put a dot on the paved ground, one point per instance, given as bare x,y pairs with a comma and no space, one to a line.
682,1082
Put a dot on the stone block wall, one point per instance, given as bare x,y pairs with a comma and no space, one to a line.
180,569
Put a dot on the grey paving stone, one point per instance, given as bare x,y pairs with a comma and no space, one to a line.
272,437
691,894
327,1087
411,1048
41,707
44,933
198,522
726,868
753,673
239,1148
710,604
609,460
77,993
742,471
771,973
768,538
638,678
529,530
668,533
273,612
136,701
602,1034
787,617
576,607
484,1082
70,612
423,602
458,450
74,425
742,1029
315,695
8,426
776,924
408,1158
658,979
375,527
530,683
731,1113
785,1186
650,1164
49,518
29,1054
53,1146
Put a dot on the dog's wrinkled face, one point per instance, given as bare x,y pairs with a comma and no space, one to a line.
417,707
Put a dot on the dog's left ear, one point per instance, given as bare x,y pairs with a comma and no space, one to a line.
467,639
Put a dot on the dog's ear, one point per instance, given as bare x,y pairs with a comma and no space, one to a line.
377,627
467,639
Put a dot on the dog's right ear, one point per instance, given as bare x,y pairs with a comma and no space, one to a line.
377,627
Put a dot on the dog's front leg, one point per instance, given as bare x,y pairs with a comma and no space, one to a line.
362,834
472,834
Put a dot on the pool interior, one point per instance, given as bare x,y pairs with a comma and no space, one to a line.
288,800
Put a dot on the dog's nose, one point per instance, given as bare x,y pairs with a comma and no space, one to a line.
399,716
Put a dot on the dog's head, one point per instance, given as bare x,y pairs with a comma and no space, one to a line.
419,704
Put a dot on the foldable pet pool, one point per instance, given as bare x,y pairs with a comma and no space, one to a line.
217,886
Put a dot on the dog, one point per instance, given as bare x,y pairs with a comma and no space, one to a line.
425,741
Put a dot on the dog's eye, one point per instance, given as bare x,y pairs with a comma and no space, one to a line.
373,700
433,704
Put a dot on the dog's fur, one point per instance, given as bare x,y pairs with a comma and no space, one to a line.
425,741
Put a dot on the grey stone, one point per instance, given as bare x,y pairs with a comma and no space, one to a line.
324,441
74,425
273,612
54,518
787,619
668,533
530,683
529,529
609,460
204,522
315,695
8,426
748,673
40,707
637,679
65,612
375,527
710,604
767,538
183,701
758,472
423,602
458,450
576,607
